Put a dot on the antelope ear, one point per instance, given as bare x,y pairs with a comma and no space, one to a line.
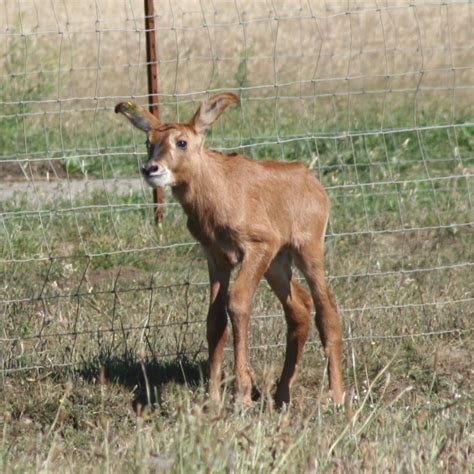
138,115
211,110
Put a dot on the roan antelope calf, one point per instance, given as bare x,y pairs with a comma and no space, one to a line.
260,215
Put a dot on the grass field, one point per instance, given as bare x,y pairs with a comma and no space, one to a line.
125,406
102,331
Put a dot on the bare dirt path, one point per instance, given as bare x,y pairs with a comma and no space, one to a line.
42,191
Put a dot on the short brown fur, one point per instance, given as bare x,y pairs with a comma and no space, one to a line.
259,216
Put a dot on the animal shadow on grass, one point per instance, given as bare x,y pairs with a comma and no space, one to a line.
147,378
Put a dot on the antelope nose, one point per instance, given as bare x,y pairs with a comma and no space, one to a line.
147,170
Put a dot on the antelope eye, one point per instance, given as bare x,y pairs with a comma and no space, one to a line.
182,144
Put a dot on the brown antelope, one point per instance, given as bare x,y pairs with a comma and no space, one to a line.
259,215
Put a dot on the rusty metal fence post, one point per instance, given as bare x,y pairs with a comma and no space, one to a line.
153,99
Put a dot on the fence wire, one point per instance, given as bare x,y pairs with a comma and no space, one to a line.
376,97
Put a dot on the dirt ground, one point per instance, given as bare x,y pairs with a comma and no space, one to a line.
45,181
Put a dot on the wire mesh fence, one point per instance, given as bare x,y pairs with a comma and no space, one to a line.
374,96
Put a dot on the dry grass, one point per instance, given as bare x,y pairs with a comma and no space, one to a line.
124,406
411,413
80,289
312,47
305,69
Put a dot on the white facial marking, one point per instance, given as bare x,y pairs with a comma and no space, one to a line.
160,178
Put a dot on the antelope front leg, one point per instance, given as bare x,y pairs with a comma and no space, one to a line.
253,267
216,325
